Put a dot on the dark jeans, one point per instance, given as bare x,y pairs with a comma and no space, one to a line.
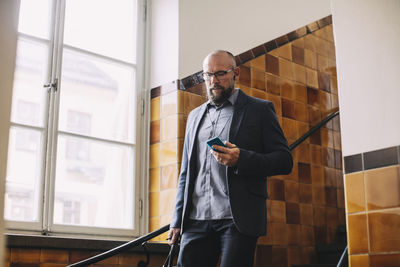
204,241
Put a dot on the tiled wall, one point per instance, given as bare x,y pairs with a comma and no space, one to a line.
22,257
372,185
297,72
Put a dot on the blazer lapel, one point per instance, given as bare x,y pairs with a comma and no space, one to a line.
238,114
195,127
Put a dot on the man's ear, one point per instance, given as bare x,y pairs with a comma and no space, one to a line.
236,71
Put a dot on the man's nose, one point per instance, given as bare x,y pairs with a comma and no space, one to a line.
214,79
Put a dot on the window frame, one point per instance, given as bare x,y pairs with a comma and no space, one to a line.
50,133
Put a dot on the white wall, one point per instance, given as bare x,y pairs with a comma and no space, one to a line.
206,25
8,41
367,36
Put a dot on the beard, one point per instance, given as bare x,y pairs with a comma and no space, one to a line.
222,97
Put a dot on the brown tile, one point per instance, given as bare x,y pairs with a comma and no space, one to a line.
331,196
154,180
357,236
169,176
317,175
318,195
359,260
299,43
311,78
315,152
302,154
328,157
259,51
154,132
276,100
287,89
385,260
321,234
333,85
330,176
292,213
299,73
155,109
281,40
339,179
278,211
307,235
56,265
315,138
313,97
304,173
382,187
340,198
306,214
308,254
198,89
285,51
314,115
312,27
291,191
245,75
302,128
272,64
322,63
324,81
384,230
258,93
279,239
325,101
258,63
257,79
310,42
338,159
286,69
293,233
279,257
327,138
25,255
131,259
191,101
305,193
76,256
298,55
246,56
319,217
332,217
294,255
288,110
263,255
273,84
276,189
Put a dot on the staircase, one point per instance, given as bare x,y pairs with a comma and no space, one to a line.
328,255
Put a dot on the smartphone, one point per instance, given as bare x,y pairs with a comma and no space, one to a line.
215,141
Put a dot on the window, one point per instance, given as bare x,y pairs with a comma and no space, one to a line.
72,164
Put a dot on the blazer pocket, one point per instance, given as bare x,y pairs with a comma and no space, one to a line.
258,188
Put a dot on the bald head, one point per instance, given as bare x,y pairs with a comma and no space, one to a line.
225,57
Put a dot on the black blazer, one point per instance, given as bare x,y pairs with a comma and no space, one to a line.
263,152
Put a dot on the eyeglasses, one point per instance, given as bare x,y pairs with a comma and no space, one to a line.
218,74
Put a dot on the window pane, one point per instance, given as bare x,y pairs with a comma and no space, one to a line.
94,184
29,95
97,98
34,18
106,27
23,175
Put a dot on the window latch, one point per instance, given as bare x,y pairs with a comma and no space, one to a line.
51,86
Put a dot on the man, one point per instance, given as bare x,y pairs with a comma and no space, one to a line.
220,208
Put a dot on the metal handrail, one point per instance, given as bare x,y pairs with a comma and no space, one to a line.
342,258
147,237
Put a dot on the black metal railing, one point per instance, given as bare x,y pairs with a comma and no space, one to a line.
143,239
341,260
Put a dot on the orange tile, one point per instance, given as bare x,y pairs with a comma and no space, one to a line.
289,128
322,63
293,234
300,93
155,109
311,78
384,230
169,104
78,255
169,127
25,255
276,100
325,101
287,89
54,264
355,194
382,187
359,260
257,78
385,260
310,59
298,43
154,180
327,139
310,42
258,63
154,223
154,204
278,211
155,155
299,73
286,69
302,128
261,94
154,132
300,112
325,33
169,152
357,237
285,51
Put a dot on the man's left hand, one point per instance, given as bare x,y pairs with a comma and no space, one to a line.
228,156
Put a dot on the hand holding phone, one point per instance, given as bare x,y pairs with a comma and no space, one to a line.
215,141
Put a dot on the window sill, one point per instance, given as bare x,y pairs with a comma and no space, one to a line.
51,242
